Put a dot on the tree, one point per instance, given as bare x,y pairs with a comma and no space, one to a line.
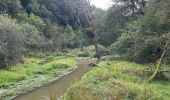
130,7
91,21
31,19
118,16
11,7
11,42
141,40
33,38
159,62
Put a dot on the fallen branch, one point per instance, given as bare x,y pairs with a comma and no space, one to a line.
158,65
93,65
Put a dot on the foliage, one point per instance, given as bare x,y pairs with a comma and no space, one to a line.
32,20
47,24
10,41
11,7
112,23
123,44
33,38
145,37
61,38
62,12
68,37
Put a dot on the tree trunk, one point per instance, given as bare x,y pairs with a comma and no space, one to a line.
96,48
93,26
158,65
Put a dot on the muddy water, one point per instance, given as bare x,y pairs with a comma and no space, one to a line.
60,86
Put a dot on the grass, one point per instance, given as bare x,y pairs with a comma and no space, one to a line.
118,80
8,77
36,71
32,67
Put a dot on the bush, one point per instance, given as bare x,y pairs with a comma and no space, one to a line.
123,44
33,38
147,51
11,41
32,20
142,50
103,50
139,45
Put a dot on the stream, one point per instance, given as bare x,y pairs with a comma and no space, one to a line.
58,87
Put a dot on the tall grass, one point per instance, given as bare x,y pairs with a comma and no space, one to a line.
118,80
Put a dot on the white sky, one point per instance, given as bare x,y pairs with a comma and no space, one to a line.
103,4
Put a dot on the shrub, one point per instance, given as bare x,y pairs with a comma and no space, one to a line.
123,44
103,50
32,20
11,41
33,38
142,50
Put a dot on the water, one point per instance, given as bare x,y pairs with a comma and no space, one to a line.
59,87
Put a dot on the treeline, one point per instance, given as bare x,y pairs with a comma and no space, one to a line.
137,29
40,25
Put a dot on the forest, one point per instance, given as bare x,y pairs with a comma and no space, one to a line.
125,50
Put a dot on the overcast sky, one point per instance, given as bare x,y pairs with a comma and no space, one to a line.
104,4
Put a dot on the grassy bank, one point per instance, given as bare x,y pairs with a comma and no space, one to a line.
35,72
119,80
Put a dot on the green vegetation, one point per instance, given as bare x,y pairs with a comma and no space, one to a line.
88,51
38,25
39,40
118,80
144,33
133,30
33,72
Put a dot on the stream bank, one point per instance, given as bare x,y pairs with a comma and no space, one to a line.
59,87
35,74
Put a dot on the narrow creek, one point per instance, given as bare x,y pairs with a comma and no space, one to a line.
60,86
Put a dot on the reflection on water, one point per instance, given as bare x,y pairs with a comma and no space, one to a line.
59,87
